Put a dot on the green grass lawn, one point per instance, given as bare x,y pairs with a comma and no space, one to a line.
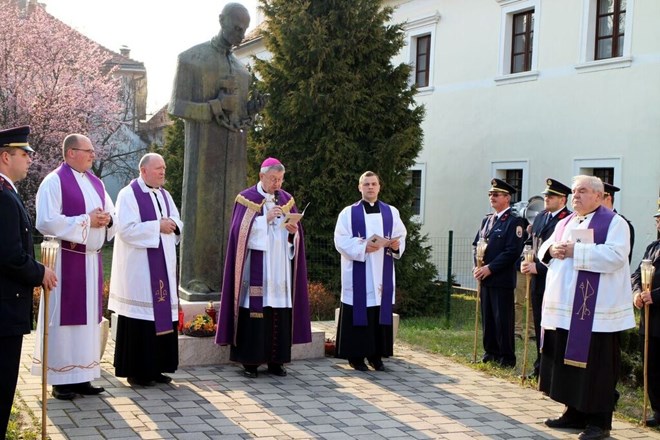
455,339
107,258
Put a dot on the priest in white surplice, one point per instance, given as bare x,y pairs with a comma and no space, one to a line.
143,288
367,276
73,206
586,305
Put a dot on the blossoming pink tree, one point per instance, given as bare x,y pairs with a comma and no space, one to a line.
59,82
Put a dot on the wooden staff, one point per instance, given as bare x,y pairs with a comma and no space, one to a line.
646,362
528,256
49,249
481,251
647,271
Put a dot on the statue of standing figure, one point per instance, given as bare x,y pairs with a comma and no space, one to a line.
211,95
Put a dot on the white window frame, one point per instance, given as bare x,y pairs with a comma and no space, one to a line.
414,29
509,9
419,218
587,62
498,169
585,165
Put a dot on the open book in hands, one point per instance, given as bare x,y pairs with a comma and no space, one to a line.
381,242
294,217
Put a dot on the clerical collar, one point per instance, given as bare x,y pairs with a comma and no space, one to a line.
262,191
371,208
220,45
580,218
151,187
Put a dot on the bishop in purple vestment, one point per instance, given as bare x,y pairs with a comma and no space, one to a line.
264,306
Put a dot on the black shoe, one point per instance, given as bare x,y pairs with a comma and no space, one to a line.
140,381
86,389
652,422
250,371
487,358
358,364
535,374
565,422
594,433
63,392
506,363
161,378
276,370
377,364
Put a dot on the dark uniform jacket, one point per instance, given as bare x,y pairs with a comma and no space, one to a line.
652,253
505,243
19,271
632,236
541,231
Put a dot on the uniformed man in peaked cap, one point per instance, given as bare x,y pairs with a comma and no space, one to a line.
503,231
19,271
608,202
651,298
555,196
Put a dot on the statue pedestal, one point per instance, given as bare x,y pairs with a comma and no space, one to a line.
195,351
190,296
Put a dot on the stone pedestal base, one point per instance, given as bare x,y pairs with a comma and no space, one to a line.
203,351
195,351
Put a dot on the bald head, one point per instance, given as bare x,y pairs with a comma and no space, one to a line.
152,170
234,21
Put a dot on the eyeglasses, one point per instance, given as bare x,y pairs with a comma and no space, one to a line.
86,150
276,180
495,194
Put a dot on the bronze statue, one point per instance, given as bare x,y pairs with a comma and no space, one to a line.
211,95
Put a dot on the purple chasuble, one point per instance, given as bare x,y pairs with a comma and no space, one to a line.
359,229
160,282
247,208
586,293
73,285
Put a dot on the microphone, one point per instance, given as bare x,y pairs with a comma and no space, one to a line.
276,198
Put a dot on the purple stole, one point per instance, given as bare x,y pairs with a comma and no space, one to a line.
359,229
73,284
586,292
160,282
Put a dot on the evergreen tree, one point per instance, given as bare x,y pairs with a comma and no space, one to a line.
339,107
172,152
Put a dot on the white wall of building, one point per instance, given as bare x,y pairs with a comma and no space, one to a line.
568,113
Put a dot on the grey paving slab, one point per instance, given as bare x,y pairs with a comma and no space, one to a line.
421,396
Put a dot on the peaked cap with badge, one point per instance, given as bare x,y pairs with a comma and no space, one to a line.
555,187
610,189
16,137
499,185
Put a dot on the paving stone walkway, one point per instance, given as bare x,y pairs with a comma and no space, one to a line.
421,396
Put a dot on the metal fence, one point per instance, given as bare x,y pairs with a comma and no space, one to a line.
450,255
453,257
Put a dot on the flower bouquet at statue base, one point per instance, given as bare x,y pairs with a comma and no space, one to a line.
201,325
